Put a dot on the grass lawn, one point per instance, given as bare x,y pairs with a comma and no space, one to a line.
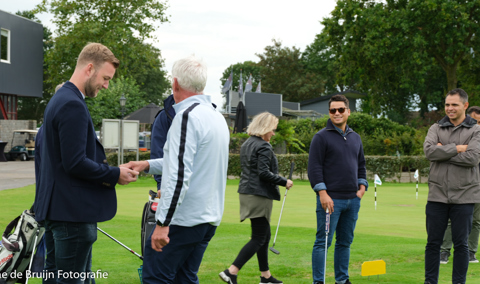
394,232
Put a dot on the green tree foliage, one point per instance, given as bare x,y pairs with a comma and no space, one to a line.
283,72
444,30
396,49
468,73
32,108
123,26
320,59
247,67
285,133
380,136
107,103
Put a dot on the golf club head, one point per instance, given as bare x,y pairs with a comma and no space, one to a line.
274,250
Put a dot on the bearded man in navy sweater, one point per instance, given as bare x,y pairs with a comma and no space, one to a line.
337,174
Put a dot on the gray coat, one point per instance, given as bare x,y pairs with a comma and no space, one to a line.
454,177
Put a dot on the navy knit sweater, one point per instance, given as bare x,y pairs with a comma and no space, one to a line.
336,162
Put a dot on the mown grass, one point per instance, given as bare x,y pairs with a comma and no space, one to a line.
394,232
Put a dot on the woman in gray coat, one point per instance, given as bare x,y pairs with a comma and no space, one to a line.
258,188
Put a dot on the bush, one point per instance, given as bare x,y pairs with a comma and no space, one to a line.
385,166
236,141
285,134
380,136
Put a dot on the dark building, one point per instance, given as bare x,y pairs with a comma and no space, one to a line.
320,104
21,62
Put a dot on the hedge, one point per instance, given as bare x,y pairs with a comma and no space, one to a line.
384,166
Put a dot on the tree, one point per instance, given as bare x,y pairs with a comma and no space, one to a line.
283,72
468,73
122,25
446,31
247,67
107,103
28,107
397,49
319,58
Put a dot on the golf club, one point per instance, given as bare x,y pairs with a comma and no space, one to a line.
327,230
292,166
33,252
139,256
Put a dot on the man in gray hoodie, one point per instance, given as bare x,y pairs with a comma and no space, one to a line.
452,146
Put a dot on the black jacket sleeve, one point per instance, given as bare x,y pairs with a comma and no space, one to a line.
265,156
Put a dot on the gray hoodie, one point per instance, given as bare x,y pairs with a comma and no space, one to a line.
454,177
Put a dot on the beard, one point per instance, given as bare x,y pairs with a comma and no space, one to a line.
90,88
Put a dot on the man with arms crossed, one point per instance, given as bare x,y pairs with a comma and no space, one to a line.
474,112
337,174
452,146
76,186
194,173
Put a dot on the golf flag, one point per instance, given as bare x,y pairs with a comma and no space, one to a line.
259,87
240,88
228,83
248,86
416,177
378,181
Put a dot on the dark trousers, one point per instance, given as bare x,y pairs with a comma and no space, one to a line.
258,244
69,249
437,216
179,261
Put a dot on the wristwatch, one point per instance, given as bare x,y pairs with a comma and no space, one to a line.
160,224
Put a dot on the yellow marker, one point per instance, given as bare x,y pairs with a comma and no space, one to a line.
375,267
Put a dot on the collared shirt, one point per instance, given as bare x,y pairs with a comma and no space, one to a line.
194,165
341,131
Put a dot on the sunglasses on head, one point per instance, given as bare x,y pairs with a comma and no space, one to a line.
340,110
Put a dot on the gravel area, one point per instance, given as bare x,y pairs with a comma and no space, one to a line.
15,174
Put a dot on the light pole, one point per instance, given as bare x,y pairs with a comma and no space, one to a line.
123,101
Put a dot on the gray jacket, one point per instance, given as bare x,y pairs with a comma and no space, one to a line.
454,177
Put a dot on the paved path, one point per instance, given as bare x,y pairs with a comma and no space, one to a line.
15,174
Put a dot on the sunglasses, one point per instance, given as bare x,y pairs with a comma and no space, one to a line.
340,110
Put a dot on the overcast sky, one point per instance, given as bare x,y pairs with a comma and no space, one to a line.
225,32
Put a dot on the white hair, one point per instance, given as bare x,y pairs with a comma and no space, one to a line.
191,74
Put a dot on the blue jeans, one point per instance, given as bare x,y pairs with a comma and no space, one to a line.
179,261
461,216
342,221
69,249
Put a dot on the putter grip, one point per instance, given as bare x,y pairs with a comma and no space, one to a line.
292,166
327,222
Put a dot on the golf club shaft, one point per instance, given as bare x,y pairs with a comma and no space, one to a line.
129,249
281,211
292,166
327,230
33,252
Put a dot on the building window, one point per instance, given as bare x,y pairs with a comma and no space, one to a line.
5,46
8,107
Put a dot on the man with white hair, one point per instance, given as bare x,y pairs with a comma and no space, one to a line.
194,173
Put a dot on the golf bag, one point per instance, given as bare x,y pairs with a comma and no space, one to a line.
148,217
17,247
